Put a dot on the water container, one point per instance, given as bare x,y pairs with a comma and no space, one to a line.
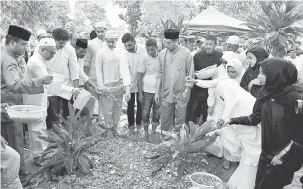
82,99
56,85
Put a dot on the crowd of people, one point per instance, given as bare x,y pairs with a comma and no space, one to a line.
257,99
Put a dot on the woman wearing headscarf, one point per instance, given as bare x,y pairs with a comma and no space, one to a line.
249,81
237,142
231,67
281,124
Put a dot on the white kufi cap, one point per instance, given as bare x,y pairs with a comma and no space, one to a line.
47,42
234,40
111,35
100,25
41,31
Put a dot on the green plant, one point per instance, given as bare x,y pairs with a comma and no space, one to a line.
67,151
192,140
275,27
169,24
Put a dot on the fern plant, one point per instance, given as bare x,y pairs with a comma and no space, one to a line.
66,151
192,140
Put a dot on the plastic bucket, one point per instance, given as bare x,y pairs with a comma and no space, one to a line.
56,86
205,185
82,99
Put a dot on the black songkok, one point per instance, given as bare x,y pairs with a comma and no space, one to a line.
212,38
81,43
19,32
171,34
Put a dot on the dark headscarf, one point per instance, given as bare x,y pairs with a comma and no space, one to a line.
260,54
280,79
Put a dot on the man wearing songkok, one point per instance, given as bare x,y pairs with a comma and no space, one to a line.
65,63
232,44
208,57
112,66
134,55
147,80
36,67
95,45
175,64
13,86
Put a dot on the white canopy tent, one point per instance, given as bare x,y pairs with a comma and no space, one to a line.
211,20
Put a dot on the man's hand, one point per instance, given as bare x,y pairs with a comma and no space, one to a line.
127,96
76,92
185,96
189,79
47,79
141,98
216,132
157,98
4,105
99,91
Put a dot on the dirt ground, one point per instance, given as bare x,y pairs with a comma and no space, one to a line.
121,164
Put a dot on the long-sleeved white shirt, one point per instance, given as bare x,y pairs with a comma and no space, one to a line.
65,63
94,46
83,77
112,65
133,60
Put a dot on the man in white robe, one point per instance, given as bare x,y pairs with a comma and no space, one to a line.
94,46
111,66
36,67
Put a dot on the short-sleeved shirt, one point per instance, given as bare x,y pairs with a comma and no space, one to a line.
149,66
203,60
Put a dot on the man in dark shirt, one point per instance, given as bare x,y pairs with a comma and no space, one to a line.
197,105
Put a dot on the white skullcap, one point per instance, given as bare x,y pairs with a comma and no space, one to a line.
229,55
100,25
47,42
41,31
111,35
234,40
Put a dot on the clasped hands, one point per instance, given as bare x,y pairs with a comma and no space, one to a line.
220,124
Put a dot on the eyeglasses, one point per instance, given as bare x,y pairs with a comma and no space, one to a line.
51,52
223,61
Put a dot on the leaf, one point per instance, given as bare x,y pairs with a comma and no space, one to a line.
192,128
156,170
153,156
183,133
83,164
203,129
162,160
282,40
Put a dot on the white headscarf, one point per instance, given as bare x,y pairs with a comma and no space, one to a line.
237,65
238,102
229,55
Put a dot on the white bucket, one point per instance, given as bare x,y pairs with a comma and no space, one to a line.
204,186
56,86
82,99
